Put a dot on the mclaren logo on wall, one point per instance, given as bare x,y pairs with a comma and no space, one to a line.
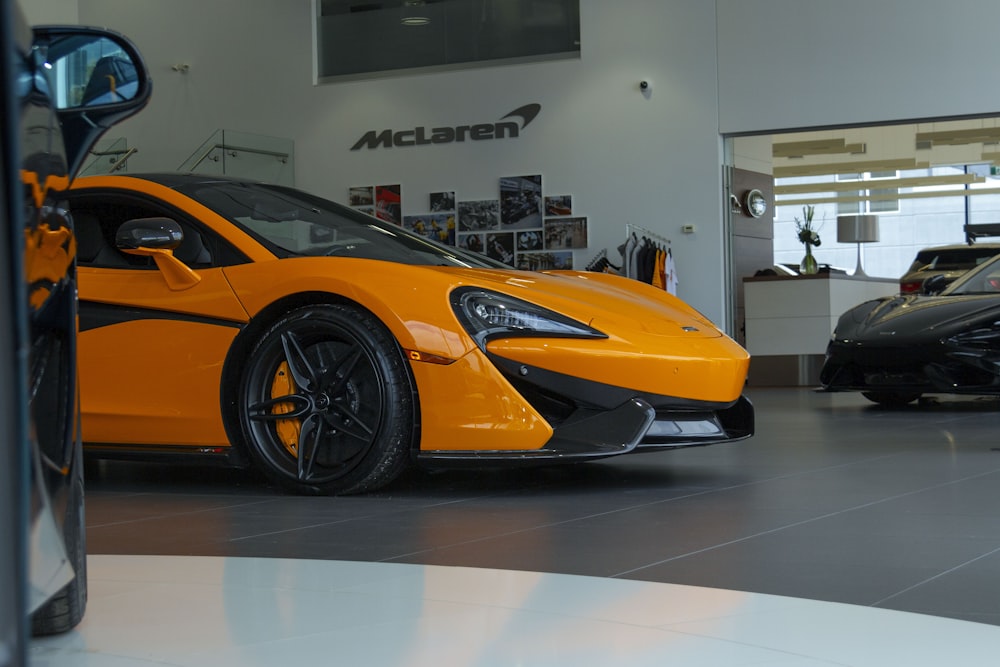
421,136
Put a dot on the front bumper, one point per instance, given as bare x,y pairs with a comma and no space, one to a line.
592,420
913,368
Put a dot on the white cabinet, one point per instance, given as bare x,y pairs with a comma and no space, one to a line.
790,319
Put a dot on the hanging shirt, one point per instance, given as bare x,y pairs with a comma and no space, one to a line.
629,256
660,269
671,274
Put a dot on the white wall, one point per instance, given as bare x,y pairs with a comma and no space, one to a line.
787,64
624,158
55,12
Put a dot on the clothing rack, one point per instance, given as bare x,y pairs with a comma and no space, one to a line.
657,269
593,263
648,233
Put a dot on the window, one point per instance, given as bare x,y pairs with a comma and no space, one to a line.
97,218
868,199
361,39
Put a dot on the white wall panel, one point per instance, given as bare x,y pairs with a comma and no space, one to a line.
795,64
778,64
55,12
624,158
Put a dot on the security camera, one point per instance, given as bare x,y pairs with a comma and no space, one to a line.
644,85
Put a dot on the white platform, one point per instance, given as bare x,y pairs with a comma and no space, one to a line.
221,612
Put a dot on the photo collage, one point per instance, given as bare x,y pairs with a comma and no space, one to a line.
522,228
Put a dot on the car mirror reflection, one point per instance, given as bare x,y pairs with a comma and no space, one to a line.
89,71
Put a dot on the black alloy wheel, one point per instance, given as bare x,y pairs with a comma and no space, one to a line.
327,402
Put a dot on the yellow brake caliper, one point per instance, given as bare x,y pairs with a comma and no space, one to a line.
287,429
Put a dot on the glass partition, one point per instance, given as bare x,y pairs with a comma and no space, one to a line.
243,155
109,156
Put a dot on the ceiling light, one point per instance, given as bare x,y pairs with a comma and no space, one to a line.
414,13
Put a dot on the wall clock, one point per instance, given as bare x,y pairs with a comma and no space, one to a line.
755,203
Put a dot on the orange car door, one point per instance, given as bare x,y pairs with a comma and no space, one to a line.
151,357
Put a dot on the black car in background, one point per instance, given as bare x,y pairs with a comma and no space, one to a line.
58,100
944,264
896,349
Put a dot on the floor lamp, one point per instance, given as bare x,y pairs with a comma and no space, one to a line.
857,229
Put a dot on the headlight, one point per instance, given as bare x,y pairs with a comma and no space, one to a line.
486,314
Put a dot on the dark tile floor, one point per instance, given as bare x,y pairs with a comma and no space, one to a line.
834,499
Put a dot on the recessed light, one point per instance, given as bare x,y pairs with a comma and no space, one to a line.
413,13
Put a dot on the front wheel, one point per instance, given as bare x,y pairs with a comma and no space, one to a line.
892,399
327,403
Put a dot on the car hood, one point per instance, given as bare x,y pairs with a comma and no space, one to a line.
415,301
603,301
916,315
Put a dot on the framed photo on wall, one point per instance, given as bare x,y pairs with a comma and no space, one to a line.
389,203
521,202
561,233
559,205
481,215
361,195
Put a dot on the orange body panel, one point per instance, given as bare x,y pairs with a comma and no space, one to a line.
468,405
411,301
212,297
153,380
702,371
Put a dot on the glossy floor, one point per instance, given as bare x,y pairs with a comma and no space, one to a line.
833,501
193,611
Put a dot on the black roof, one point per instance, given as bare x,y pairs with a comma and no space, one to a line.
176,180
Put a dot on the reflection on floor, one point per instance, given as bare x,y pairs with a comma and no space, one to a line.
220,612
863,511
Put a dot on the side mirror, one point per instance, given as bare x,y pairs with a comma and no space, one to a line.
95,77
156,233
934,285
157,238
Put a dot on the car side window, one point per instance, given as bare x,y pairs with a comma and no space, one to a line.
98,220
95,235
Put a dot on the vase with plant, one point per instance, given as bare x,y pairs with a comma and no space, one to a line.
808,236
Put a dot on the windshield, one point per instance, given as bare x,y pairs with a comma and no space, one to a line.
292,223
952,259
984,279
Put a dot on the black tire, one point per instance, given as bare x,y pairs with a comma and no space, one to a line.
891,399
63,611
327,403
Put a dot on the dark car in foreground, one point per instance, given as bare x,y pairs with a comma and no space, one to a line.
896,349
48,126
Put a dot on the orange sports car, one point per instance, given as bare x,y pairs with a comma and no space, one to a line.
274,328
